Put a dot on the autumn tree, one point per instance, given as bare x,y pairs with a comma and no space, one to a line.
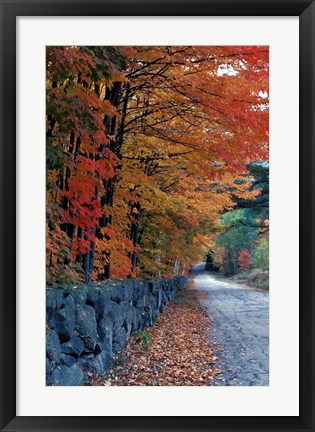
244,260
144,145
82,98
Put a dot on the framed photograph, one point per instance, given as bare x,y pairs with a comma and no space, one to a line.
157,198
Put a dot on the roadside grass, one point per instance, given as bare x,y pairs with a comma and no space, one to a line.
255,278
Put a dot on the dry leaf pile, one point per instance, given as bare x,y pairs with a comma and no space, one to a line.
174,352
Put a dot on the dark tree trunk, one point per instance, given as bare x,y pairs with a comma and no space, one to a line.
87,275
109,185
134,232
79,258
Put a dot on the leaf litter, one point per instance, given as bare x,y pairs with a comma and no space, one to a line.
174,352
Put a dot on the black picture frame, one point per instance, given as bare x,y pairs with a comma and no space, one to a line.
10,9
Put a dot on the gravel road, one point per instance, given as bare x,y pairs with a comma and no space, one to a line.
239,330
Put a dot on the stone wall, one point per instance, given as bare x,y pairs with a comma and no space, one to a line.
88,325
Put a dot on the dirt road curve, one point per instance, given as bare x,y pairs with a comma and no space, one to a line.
239,330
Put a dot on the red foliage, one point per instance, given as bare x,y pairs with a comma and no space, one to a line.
138,141
244,260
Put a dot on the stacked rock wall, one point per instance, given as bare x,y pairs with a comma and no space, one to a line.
88,325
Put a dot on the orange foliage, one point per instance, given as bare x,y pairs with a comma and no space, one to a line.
146,147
